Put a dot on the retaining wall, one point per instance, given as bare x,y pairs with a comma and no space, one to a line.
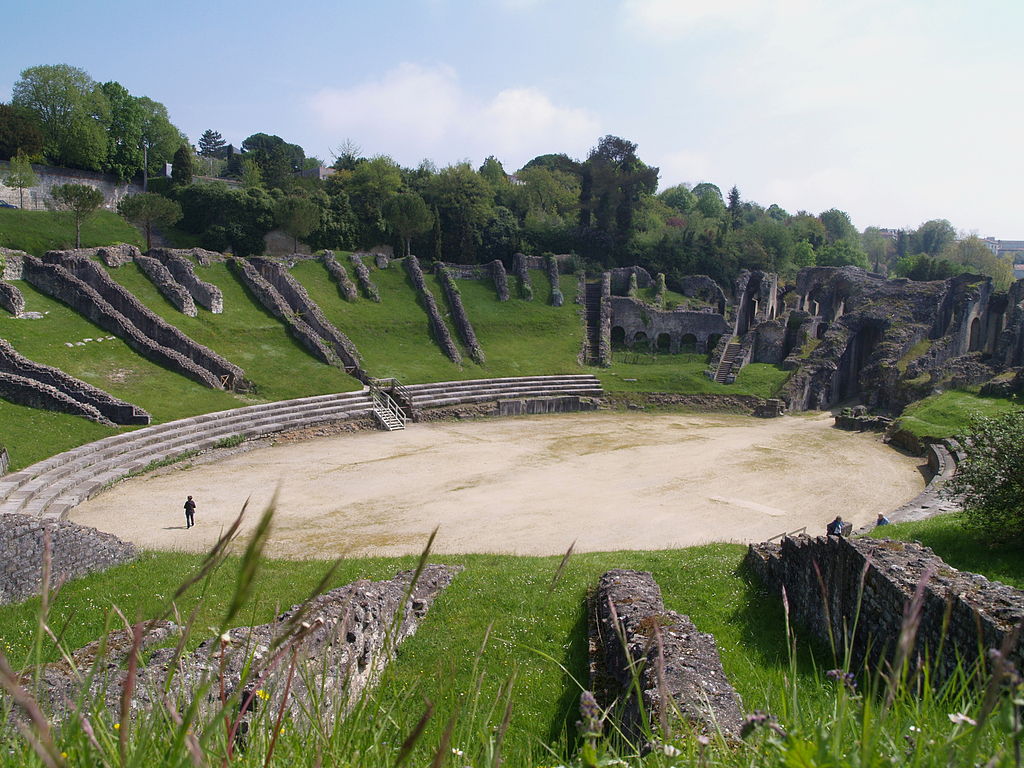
25,391
11,299
76,551
459,316
346,287
865,588
521,269
5,460
86,287
437,326
363,276
205,294
11,263
551,266
110,407
164,281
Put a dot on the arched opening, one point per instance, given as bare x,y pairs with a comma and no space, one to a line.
664,343
975,341
688,344
821,330
618,336
640,342
713,340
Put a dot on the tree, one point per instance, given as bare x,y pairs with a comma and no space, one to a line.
211,144
842,254
297,216
370,186
72,111
932,236
463,202
838,227
408,215
991,476
160,139
276,159
80,201
975,256
182,170
734,206
20,176
19,132
148,209
251,176
679,197
125,155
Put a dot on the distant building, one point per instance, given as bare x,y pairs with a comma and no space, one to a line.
1001,247
321,172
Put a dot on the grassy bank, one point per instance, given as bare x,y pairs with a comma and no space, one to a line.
36,232
949,413
686,373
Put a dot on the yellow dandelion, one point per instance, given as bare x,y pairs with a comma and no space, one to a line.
117,726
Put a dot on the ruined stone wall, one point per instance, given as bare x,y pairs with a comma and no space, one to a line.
541,405
960,612
346,287
76,551
5,461
56,281
118,255
704,288
521,269
363,276
493,270
39,197
226,375
459,316
621,277
604,355
437,326
205,294
108,406
635,317
631,630
271,299
302,305
25,391
169,288
11,299
551,265
500,279
11,263
1009,342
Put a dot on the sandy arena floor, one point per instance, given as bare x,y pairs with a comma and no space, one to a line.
526,486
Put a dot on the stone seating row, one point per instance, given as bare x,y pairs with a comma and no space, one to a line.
52,487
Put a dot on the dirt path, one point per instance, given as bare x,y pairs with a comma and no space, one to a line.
527,486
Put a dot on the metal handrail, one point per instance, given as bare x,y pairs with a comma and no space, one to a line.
784,534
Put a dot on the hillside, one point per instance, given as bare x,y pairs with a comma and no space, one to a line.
36,232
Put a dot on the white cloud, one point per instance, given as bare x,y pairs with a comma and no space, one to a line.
414,111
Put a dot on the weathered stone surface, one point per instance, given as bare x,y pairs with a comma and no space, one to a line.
437,325
76,551
678,666
962,613
11,262
551,267
11,299
45,378
342,641
500,279
170,288
541,405
458,312
25,391
5,460
346,287
205,294
521,264
363,276
86,287
118,255
622,276
641,323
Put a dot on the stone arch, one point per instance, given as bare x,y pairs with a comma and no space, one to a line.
618,336
663,343
975,339
712,342
688,344
821,330
641,342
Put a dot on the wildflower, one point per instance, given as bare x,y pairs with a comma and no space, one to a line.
64,755
226,638
457,752
914,729
669,751
848,679
760,718
117,726
591,722
262,694
958,718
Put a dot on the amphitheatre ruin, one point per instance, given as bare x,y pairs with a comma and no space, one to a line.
536,442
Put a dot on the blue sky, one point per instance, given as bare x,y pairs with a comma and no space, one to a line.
894,111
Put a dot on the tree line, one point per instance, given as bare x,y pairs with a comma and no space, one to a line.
606,208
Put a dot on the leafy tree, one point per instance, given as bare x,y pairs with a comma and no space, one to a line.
709,200
921,266
251,176
807,227
734,206
680,197
276,159
370,186
932,236
408,215
838,227
841,254
991,477
879,248
20,176
803,255
124,132
160,139
463,202
183,169
298,216
347,156
211,144
147,210
975,256
19,132
546,190
72,111
80,201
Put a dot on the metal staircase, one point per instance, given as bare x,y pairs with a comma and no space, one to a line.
388,412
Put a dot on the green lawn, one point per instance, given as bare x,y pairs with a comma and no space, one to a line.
36,232
518,337
32,434
949,413
961,547
685,373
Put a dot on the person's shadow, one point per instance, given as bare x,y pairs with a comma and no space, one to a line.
174,528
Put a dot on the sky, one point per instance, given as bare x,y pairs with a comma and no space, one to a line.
896,111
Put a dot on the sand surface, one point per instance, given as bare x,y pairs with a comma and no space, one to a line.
526,486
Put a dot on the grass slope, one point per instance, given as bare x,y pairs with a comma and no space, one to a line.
36,232
685,373
949,413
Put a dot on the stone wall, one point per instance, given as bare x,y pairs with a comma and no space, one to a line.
342,641
25,391
143,331
542,405
303,306
521,269
11,263
678,667
76,551
869,585
704,288
458,310
500,279
39,197
5,460
346,287
622,276
109,407
604,355
203,293
169,288
363,276
11,299
437,325
635,318
551,266
118,255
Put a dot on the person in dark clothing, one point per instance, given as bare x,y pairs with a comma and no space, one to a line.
835,528
190,510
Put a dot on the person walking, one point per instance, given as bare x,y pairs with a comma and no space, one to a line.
190,511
